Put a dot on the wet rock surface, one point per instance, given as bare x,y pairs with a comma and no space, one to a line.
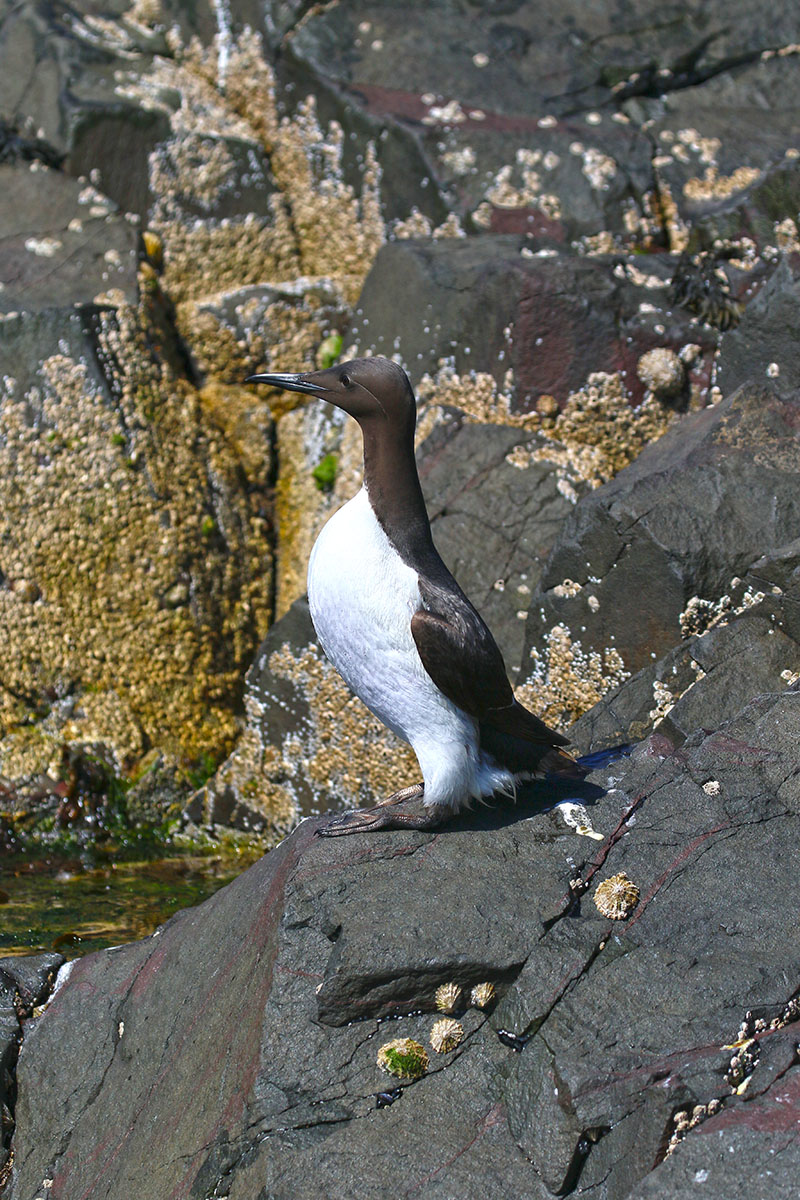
24,983
601,1033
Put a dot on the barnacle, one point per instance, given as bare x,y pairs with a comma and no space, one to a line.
447,997
482,995
446,1035
403,1057
617,897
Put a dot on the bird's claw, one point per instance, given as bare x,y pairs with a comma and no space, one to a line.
403,810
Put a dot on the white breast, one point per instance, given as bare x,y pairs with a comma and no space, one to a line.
362,598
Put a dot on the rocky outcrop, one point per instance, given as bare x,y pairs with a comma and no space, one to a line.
197,193
234,1052
678,527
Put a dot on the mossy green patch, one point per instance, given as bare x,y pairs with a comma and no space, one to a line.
324,473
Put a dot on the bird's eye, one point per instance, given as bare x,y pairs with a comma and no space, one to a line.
345,379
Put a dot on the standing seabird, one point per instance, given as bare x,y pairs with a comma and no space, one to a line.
398,628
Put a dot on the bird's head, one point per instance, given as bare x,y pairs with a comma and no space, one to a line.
369,389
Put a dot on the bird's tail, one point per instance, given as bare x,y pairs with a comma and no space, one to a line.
559,765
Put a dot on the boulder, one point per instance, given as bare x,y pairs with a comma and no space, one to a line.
62,244
235,1050
747,640
764,345
25,982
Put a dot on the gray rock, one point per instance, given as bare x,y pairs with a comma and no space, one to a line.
764,345
751,643
688,515
61,243
24,982
235,1050
483,304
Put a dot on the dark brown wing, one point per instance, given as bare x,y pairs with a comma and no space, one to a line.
464,661
468,669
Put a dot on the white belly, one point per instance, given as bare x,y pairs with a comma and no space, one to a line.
362,598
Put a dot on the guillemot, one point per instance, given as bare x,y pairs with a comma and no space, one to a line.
398,628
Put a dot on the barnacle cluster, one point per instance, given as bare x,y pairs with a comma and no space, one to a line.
118,527
404,1058
689,1118
565,681
746,1046
617,897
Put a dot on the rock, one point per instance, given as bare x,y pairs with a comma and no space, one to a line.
239,333
691,513
749,641
291,977
764,345
121,482
61,244
712,145
24,982
58,80
485,306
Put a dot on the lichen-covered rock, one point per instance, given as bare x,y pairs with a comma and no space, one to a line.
135,562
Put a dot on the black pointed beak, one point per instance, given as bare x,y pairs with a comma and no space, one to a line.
290,383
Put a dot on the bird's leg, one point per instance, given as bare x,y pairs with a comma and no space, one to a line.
388,814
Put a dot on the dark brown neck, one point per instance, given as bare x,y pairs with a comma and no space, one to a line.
393,487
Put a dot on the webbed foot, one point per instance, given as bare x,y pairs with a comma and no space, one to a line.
403,810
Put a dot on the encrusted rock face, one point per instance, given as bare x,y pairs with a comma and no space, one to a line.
109,524
683,521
